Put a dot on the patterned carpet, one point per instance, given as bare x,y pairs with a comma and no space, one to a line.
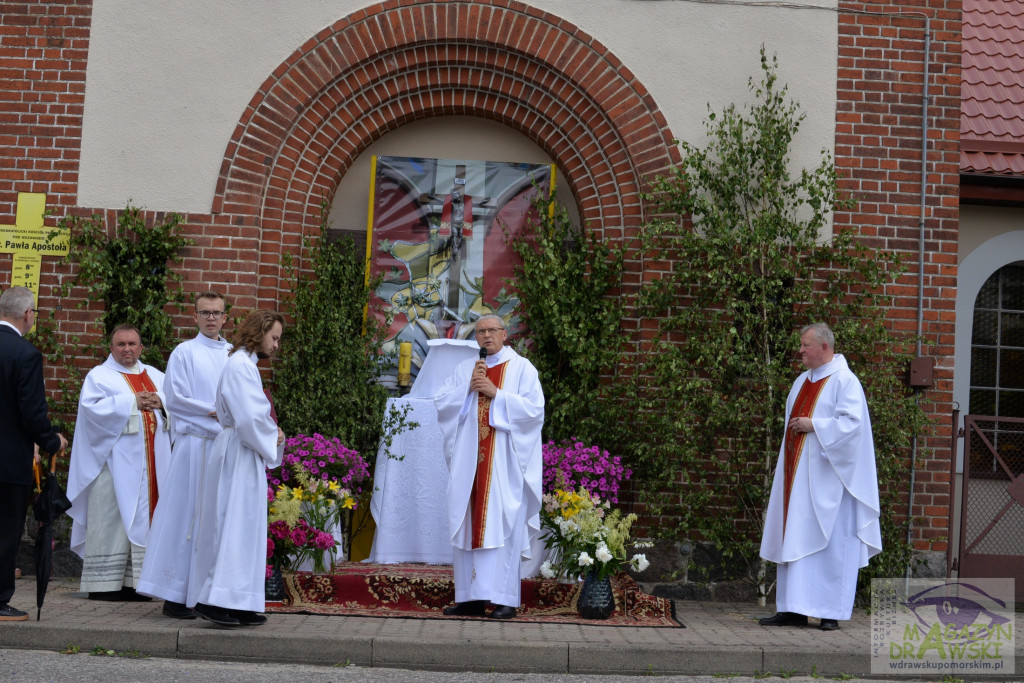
421,591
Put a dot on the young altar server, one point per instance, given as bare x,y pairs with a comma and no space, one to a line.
230,556
191,389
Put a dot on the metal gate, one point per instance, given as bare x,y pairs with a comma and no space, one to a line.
992,500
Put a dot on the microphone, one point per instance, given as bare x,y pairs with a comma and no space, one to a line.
483,353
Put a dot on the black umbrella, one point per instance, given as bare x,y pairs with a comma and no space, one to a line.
51,502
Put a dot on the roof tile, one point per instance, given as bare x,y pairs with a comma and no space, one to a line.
992,94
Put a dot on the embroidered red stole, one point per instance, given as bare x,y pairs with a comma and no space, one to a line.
802,407
480,493
142,382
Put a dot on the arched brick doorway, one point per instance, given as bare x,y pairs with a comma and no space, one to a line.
384,66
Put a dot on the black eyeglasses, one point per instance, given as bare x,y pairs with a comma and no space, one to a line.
34,310
210,314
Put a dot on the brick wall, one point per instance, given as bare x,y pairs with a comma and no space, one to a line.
878,151
43,53
396,62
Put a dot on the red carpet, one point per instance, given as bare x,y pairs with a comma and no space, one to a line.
421,591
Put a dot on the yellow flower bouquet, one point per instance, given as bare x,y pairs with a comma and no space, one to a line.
589,536
301,517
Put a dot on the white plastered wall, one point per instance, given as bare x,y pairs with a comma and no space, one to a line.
168,81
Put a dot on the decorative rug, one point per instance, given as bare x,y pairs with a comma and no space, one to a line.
421,591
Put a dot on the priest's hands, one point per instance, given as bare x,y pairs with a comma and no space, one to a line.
148,400
801,424
280,436
479,382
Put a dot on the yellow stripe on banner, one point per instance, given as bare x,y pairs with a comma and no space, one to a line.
369,233
369,213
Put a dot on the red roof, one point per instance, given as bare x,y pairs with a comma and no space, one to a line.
992,95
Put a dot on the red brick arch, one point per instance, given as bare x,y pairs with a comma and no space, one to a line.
387,65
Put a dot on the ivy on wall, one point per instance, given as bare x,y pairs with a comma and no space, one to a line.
131,273
569,285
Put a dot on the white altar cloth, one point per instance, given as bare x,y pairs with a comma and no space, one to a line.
409,505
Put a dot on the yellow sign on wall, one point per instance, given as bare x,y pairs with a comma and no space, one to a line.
29,240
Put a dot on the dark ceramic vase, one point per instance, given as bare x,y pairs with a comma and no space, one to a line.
596,598
274,587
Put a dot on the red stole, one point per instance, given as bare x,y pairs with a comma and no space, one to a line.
142,382
480,493
794,443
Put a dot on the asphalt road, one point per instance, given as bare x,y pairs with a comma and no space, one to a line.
34,666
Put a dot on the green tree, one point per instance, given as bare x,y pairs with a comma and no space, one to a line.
743,236
326,380
568,283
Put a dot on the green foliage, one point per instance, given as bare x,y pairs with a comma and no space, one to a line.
331,355
130,274
569,285
745,274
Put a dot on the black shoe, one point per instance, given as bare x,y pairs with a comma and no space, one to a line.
124,594
176,610
106,596
503,612
216,615
784,619
129,595
829,625
471,608
8,613
247,618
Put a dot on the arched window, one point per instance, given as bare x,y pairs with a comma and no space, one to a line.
997,345
997,360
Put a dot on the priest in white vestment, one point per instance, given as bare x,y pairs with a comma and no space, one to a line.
120,451
191,389
822,524
230,552
491,412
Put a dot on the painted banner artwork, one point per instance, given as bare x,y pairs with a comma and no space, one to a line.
438,234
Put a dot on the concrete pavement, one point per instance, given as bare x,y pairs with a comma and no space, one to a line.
719,638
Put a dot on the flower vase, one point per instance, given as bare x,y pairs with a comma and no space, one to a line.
323,561
596,599
274,587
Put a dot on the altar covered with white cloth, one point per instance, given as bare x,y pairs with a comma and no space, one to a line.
409,505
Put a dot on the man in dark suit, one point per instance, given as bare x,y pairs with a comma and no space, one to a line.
24,421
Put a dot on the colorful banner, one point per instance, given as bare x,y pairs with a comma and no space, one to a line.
438,233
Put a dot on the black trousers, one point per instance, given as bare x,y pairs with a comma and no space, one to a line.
14,502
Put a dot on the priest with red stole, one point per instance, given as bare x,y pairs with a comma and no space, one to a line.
491,412
121,450
822,524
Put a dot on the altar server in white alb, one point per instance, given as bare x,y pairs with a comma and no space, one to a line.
491,412
822,524
191,389
230,557
120,452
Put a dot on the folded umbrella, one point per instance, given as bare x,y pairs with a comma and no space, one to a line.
51,502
